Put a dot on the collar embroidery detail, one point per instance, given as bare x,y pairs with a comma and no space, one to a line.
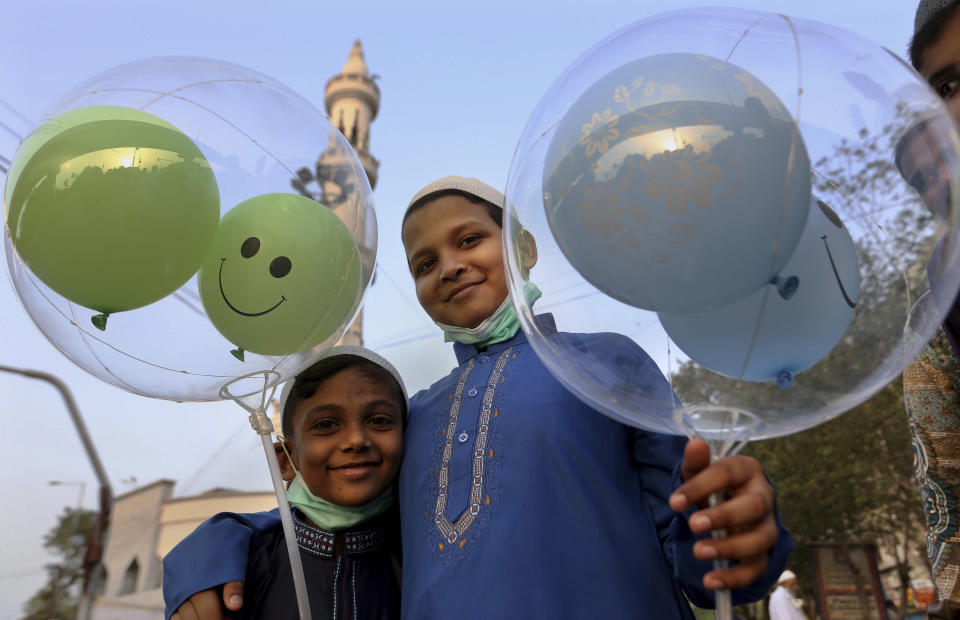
323,543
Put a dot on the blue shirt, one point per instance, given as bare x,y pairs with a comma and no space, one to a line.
520,501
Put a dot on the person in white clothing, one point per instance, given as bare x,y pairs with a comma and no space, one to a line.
783,604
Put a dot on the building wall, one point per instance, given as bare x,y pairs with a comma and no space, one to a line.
133,537
138,606
179,517
146,525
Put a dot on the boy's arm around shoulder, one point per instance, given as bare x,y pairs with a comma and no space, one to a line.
660,461
213,554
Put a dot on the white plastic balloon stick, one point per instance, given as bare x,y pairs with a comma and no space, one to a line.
262,426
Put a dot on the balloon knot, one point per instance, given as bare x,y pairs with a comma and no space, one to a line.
784,379
100,320
237,353
786,287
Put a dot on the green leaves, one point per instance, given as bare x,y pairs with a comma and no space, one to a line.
67,540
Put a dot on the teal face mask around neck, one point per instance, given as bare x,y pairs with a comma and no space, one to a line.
499,326
334,517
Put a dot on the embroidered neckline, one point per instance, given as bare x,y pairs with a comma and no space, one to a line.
323,543
451,532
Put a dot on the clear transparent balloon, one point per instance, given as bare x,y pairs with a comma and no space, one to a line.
259,138
790,353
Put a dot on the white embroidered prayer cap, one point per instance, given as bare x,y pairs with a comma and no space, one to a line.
346,349
467,185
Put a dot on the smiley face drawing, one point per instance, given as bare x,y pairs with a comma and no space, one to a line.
770,337
283,275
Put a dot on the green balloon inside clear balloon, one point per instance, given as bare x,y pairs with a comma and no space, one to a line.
111,207
283,274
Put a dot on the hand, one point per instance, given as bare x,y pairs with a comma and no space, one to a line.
747,513
205,605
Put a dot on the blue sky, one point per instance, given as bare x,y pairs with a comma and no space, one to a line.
458,81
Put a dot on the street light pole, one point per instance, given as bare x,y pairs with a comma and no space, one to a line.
83,491
72,483
99,535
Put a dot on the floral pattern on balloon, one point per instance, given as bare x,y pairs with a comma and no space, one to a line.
602,210
598,133
683,176
684,144
653,92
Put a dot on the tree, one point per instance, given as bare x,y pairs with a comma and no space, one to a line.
849,479
61,594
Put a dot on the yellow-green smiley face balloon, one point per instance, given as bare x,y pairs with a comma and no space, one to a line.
283,274
111,207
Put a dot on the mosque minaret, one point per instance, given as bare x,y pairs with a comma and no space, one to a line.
352,100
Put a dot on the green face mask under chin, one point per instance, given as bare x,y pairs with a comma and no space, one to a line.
499,326
334,517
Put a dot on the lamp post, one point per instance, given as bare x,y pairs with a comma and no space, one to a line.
93,566
83,489
72,483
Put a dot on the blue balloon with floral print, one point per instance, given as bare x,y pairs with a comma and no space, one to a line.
677,183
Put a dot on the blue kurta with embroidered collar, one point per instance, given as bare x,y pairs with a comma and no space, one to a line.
517,500
520,501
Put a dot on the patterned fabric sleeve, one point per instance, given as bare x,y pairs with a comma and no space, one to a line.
931,394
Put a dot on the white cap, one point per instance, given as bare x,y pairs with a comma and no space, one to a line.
467,185
787,575
346,349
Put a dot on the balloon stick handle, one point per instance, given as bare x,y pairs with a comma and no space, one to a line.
726,430
290,536
262,425
722,602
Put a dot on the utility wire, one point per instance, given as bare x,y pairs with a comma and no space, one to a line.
28,573
396,343
27,122
10,130
419,311
189,484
